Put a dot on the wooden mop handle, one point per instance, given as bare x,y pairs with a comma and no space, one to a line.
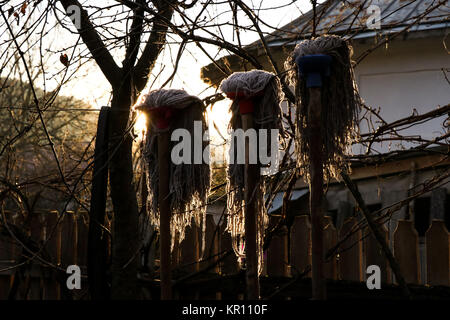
246,108
316,194
251,247
162,116
164,214
314,68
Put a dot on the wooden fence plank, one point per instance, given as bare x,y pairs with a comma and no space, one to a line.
65,247
329,241
16,249
7,243
344,212
6,259
75,239
229,265
175,256
50,218
82,239
190,251
50,233
67,228
374,254
211,244
300,244
277,253
350,259
406,250
58,239
5,281
438,254
211,250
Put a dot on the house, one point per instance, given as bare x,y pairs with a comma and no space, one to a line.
405,75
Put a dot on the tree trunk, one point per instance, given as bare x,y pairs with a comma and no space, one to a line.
125,222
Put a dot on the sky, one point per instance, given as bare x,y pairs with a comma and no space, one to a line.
93,88
188,74
89,84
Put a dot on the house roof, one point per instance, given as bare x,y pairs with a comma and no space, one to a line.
338,17
349,19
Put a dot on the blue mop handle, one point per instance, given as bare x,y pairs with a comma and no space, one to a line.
314,67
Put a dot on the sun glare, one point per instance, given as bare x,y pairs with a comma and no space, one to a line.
141,125
220,114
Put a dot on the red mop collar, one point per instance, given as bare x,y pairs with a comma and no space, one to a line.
162,116
246,104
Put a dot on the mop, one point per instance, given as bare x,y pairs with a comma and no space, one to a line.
340,99
256,102
328,106
178,190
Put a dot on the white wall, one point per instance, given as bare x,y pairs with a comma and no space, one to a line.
405,75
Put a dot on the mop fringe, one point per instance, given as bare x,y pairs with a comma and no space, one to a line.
340,96
189,184
264,89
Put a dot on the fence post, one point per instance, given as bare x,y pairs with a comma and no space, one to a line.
211,250
406,250
190,249
58,239
229,265
49,231
211,244
438,254
82,245
277,253
6,255
97,244
189,257
350,259
75,238
301,244
329,241
67,237
374,254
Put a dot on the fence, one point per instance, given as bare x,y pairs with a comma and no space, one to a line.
289,253
65,238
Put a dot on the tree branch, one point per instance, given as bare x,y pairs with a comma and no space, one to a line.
135,34
95,44
153,47
377,233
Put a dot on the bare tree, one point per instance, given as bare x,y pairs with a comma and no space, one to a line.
137,32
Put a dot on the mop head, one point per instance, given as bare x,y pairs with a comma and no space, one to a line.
264,89
189,184
340,104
